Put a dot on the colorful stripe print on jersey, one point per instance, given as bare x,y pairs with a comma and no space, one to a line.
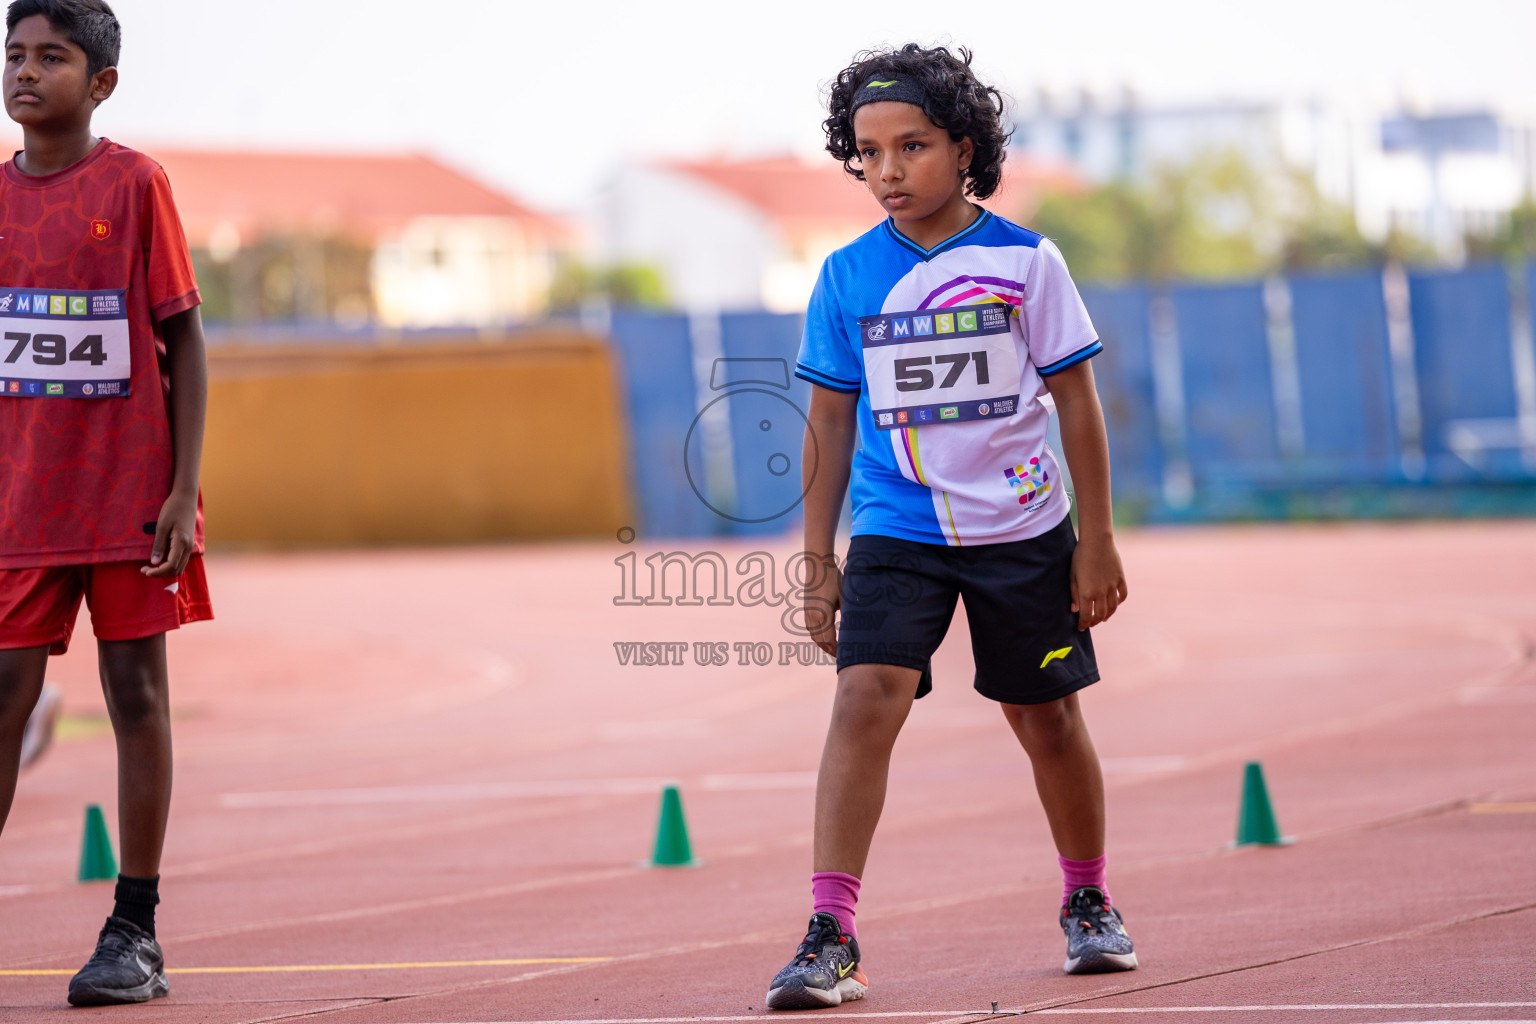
914,458
961,290
969,291
910,440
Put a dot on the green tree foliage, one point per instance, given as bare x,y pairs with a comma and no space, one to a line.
625,284
1515,239
283,279
1215,217
1320,234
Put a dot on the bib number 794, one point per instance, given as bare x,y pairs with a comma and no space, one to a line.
50,349
911,375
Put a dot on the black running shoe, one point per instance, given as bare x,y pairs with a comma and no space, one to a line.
127,967
824,972
1096,939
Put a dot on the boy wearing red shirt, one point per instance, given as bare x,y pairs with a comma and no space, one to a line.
103,387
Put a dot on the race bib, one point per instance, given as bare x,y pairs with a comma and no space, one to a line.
939,366
64,344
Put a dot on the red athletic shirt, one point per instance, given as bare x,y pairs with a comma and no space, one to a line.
82,479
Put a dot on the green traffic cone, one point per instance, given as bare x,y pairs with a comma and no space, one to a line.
672,847
1256,824
97,864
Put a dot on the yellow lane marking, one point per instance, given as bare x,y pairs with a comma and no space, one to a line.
298,968
1525,808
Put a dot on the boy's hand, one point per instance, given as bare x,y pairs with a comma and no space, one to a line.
823,597
1098,582
174,535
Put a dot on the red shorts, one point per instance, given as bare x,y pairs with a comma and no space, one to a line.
38,606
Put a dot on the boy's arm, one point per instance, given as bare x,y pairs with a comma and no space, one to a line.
187,360
826,461
1098,580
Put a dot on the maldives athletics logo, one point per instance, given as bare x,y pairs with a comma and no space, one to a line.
101,229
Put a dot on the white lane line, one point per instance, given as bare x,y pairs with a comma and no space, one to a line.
1161,765
1497,695
535,789
758,780
765,1015
1279,1007
441,794
522,790
1055,1011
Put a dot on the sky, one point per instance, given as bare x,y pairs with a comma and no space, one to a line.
544,99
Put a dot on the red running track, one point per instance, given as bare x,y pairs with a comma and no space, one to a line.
396,767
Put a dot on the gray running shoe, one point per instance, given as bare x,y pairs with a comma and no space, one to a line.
824,972
1096,939
127,967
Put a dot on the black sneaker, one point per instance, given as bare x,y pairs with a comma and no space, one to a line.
127,967
824,972
1096,939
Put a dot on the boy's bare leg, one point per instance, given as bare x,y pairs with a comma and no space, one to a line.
1067,773
871,704
134,679
21,680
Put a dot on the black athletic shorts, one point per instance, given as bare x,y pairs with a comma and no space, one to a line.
899,597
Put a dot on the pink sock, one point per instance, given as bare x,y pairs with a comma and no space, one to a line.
1077,873
835,893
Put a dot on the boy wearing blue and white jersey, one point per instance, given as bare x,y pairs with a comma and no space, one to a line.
931,341
958,337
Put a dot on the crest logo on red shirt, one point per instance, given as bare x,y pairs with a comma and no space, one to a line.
100,229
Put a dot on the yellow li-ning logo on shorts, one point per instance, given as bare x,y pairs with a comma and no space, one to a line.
1062,653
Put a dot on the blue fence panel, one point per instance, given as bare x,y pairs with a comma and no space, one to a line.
1228,391
1463,365
656,356
1126,390
1530,290
1461,336
1344,364
767,407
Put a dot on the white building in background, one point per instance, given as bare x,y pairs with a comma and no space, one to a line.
446,250
747,235
477,271
738,235
1436,175
1445,175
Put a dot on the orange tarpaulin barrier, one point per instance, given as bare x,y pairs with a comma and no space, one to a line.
447,442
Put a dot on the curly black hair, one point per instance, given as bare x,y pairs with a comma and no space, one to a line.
955,101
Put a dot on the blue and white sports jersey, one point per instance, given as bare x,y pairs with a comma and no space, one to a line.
947,350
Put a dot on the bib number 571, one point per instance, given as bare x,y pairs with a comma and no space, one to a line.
49,349
911,374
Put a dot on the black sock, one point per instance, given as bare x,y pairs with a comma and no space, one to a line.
136,899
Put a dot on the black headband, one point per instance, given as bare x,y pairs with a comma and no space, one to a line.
888,87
